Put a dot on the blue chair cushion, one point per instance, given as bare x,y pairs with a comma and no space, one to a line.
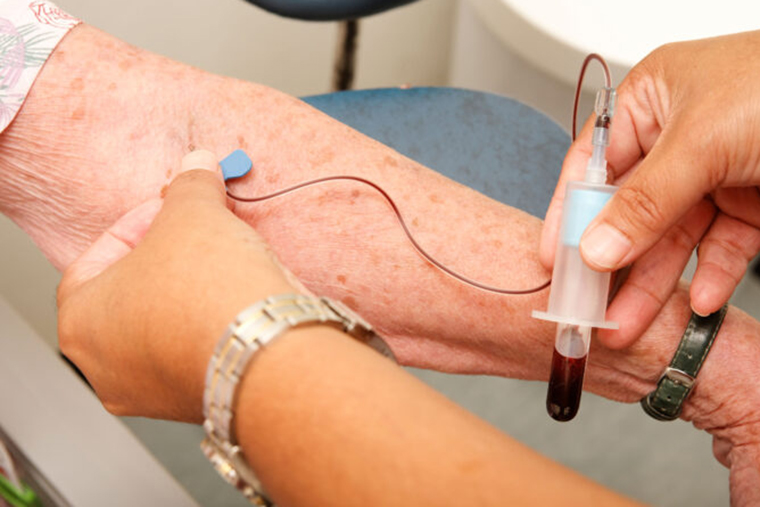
494,144
328,10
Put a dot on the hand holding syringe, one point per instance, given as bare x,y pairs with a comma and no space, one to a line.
578,298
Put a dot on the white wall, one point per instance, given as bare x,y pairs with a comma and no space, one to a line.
481,61
231,37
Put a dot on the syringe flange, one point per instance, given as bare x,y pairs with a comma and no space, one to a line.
559,319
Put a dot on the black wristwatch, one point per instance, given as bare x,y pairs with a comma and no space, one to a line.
677,381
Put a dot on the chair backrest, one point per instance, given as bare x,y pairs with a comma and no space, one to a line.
496,145
328,10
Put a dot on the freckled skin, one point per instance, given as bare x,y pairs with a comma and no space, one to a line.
390,162
324,159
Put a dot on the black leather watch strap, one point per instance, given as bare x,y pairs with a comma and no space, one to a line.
677,381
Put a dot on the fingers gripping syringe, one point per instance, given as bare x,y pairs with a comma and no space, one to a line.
578,297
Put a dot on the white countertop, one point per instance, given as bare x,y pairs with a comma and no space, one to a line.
556,35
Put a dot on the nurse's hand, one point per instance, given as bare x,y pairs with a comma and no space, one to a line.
686,153
140,316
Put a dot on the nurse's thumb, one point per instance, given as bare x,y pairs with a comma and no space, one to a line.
667,183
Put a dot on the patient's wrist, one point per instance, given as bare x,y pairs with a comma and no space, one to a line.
86,146
727,396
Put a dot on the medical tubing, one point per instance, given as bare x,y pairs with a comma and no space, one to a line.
604,109
429,258
579,86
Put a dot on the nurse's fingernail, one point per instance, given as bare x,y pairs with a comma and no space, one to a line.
200,159
604,247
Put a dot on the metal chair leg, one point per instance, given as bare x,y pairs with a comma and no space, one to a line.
345,61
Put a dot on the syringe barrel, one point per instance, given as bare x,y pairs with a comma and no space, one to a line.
578,293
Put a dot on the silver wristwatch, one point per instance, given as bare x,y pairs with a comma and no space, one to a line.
251,330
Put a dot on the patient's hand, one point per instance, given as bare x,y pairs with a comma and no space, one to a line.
726,398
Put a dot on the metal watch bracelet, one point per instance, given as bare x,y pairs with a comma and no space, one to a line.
251,331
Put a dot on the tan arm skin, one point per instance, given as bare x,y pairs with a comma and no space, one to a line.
328,422
94,140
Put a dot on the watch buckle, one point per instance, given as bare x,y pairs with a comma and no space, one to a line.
680,377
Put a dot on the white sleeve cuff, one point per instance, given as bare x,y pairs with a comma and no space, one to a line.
29,32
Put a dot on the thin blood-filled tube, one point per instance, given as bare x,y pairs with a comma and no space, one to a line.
421,251
565,386
563,396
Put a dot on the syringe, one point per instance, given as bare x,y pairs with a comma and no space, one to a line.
578,297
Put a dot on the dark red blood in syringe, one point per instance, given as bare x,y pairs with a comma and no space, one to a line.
565,386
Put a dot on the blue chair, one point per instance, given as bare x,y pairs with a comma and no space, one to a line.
494,144
347,12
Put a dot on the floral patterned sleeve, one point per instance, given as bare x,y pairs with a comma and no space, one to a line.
29,32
